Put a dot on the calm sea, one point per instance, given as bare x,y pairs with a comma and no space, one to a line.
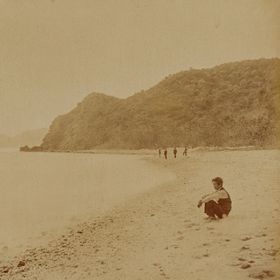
42,193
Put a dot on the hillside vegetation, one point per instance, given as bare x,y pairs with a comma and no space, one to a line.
228,105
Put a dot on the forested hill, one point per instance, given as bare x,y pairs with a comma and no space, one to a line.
231,104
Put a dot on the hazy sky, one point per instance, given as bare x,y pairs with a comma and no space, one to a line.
55,52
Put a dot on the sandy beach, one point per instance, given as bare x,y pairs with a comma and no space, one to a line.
161,234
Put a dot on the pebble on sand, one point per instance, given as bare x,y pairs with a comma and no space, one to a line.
245,248
21,264
6,269
245,265
246,238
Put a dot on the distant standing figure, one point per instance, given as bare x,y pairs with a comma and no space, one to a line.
218,203
165,153
185,153
175,152
159,153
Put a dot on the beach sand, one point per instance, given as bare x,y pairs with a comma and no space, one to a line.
161,234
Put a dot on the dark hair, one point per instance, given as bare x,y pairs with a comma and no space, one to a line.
218,180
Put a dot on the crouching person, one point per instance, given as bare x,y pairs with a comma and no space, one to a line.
218,203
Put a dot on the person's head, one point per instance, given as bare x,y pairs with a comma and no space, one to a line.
217,183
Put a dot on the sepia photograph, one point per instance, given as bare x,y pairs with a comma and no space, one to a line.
139,139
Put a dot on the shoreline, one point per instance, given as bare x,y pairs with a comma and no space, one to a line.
86,193
100,222
147,151
155,234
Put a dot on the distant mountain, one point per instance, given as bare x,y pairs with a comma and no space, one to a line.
228,105
30,137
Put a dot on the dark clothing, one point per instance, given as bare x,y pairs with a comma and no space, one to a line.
165,154
213,209
223,207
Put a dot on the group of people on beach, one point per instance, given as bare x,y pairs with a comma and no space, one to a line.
175,151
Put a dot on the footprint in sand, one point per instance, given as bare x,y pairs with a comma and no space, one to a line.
246,238
272,252
245,265
261,235
180,238
190,225
210,228
161,270
262,275
244,248
198,257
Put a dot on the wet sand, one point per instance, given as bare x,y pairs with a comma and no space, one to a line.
161,234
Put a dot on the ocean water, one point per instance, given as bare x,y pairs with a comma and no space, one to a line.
43,193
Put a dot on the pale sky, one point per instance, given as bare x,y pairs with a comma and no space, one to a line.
55,52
